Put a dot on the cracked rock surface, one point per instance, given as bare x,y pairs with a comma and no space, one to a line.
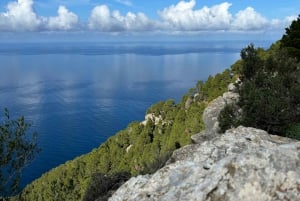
241,164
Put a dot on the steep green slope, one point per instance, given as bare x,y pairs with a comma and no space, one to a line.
132,149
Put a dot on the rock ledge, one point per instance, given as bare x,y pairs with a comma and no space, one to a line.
242,164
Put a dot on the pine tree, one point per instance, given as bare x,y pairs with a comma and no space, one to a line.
291,39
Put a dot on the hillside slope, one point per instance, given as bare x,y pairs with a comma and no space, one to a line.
168,126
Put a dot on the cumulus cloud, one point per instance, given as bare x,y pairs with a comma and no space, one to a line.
65,20
279,24
183,16
102,19
249,19
20,16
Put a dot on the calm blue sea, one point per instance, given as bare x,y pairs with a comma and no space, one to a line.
79,94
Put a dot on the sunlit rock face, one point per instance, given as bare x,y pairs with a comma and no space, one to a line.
241,164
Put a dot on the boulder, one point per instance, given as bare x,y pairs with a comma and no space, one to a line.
210,116
242,164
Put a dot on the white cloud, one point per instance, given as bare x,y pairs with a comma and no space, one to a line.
249,19
65,20
183,17
125,2
102,19
277,24
20,16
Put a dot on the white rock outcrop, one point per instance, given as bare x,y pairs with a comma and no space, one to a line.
153,118
243,164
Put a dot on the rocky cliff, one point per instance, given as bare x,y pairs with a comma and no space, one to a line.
241,164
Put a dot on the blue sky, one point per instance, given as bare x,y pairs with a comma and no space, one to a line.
137,17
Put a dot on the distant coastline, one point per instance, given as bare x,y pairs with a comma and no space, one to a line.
117,48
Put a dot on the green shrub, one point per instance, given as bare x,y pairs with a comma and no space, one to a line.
158,163
229,117
294,131
102,186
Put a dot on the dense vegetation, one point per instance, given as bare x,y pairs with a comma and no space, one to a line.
270,90
291,40
17,149
139,149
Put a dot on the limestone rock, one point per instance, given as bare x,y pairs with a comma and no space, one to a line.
232,88
188,103
211,113
153,118
210,116
128,148
242,164
230,97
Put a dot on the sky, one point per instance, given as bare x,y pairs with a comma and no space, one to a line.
136,18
